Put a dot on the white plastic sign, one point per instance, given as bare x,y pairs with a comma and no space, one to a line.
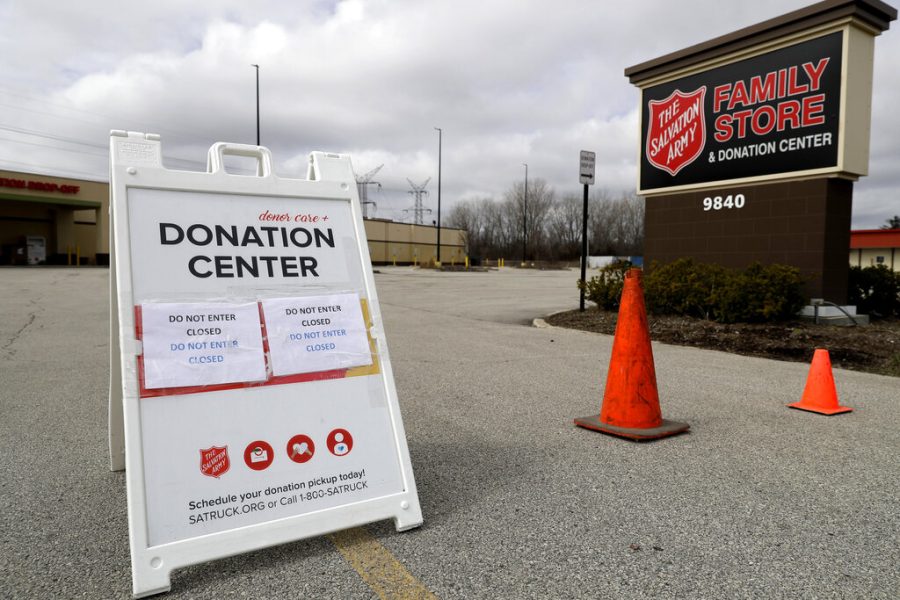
252,398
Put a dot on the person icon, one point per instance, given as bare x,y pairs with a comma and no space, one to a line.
340,448
340,442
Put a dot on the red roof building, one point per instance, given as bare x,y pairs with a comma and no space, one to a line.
875,247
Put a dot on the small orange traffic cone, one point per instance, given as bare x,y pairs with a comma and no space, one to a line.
630,406
820,395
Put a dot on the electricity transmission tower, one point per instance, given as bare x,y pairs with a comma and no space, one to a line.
362,187
418,209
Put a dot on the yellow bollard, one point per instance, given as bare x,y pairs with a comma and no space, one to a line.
467,262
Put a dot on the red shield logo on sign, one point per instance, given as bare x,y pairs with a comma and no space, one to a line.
214,461
676,133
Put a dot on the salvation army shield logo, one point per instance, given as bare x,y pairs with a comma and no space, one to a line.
676,133
214,461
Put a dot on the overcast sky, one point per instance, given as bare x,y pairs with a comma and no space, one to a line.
510,82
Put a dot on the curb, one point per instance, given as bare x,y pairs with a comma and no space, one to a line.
540,323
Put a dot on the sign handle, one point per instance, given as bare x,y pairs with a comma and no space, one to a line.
215,162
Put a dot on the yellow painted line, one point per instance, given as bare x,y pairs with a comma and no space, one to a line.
378,567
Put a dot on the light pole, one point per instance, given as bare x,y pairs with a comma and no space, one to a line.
525,215
257,103
440,138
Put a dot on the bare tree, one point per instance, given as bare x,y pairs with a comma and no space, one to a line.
536,207
464,216
491,233
564,227
892,223
502,230
629,225
616,224
553,225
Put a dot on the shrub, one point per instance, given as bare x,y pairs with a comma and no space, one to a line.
759,293
874,290
606,288
684,287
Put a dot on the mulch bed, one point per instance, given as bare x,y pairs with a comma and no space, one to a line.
873,348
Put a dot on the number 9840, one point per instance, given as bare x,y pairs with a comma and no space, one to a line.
729,201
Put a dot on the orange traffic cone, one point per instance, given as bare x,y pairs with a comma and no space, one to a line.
820,395
630,406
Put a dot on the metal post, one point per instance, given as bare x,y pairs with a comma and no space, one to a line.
525,216
440,136
257,103
584,246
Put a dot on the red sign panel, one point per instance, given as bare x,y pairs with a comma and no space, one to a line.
676,133
214,461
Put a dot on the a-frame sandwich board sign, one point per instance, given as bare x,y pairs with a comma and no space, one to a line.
252,399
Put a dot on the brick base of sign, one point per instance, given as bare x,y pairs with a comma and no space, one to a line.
805,224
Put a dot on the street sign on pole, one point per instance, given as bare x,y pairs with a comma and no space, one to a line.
586,170
586,176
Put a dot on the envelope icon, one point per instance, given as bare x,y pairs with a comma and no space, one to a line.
259,455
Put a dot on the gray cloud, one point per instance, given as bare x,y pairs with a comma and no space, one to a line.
509,82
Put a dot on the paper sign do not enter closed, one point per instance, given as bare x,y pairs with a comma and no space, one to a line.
201,344
317,333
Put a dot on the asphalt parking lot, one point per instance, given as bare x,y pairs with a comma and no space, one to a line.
756,501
